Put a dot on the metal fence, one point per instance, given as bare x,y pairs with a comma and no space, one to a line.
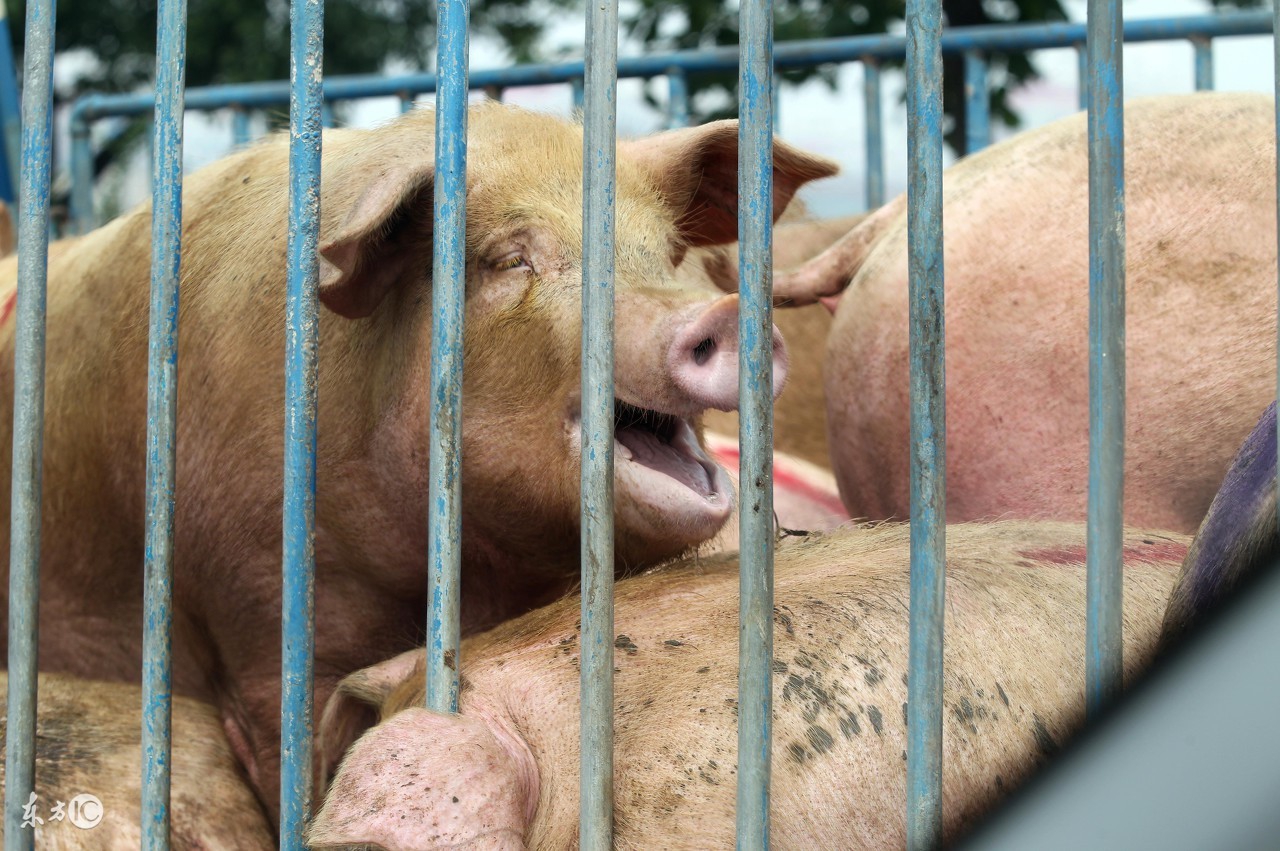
593,84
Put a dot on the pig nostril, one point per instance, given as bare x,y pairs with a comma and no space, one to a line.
702,351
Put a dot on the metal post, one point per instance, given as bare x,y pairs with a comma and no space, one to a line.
326,115
677,99
82,218
28,422
162,411
1104,623
599,145
874,133
239,126
579,93
928,423
977,102
406,102
755,404
302,339
444,536
1204,63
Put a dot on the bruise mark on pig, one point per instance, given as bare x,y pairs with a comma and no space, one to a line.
1044,740
623,642
876,719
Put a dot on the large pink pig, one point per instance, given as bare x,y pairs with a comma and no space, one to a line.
676,357
504,773
1200,194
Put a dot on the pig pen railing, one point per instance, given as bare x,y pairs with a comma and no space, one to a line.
593,83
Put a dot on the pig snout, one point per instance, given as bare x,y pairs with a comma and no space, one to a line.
703,358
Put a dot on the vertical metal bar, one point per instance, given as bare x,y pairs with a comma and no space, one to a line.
874,133
28,422
162,411
1082,75
977,102
494,93
148,144
301,344
1203,47
775,92
406,102
444,536
239,126
599,146
10,108
677,98
755,403
928,423
579,94
326,114
82,220
1104,623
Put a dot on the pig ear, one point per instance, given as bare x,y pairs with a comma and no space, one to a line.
423,780
357,704
365,255
696,170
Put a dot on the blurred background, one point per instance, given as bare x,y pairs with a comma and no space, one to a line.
107,46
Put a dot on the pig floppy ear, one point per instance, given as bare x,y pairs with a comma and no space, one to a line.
363,257
696,170
357,704
422,781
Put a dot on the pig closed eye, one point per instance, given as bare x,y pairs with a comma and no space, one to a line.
512,261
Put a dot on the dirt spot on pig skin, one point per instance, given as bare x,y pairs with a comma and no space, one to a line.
623,642
1003,696
1044,741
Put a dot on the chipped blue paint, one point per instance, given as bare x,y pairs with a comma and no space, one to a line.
977,103
162,411
1204,63
1104,621
677,99
599,142
874,140
301,344
928,423
794,54
28,421
448,291
755,418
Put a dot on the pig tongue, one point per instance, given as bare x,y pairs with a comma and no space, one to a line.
648,449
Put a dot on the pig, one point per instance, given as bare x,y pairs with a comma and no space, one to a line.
800,414
1201,316
88,742
503,774
676,357
1238,537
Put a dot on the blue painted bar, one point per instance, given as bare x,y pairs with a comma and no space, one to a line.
10,113
28,422
82,215
874,141
977,103
579,93
162,412
406,102
599,146
1204,63
775,95
677,99
755,423
1104,591
1082,75
928,423
448,291
791,54
239,126
302,335
326,115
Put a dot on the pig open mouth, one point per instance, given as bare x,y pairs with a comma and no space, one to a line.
660,464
